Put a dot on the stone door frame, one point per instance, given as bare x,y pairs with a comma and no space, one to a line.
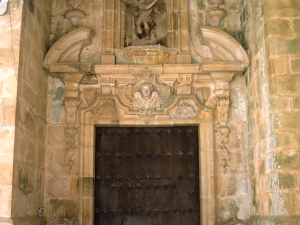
206,170
202,87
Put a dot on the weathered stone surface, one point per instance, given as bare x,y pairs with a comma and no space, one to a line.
56,135
282,220
283,8
277,45
296,25
282,141
286,120
280,104
287,85
273,20
61,187
278,26
287,160
278,65
295,64
281,181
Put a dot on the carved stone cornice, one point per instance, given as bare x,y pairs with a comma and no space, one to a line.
146,55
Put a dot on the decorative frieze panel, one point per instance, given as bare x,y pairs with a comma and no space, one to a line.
146,55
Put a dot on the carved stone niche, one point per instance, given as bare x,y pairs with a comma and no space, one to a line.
155,91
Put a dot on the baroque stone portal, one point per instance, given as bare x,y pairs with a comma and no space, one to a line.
161,74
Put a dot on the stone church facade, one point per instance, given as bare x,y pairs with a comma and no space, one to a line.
230,68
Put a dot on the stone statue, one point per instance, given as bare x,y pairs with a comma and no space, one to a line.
142,11
146,96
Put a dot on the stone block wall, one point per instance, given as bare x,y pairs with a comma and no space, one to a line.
10,24
30,123
272,38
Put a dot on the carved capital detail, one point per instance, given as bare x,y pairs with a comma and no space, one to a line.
222,104
71,105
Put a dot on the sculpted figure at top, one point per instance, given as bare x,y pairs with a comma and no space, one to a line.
141,11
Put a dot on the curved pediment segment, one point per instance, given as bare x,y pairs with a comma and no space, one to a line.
68,48
224,46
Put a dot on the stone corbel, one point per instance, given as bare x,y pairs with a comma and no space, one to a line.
71,74
221,106
71,92
221,93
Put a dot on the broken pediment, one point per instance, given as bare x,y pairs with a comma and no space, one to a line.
218,46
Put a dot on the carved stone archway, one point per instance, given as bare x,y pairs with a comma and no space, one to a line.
115,95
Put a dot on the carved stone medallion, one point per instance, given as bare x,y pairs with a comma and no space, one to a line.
145,94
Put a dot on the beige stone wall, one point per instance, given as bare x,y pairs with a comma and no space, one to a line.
10,24
272,37
30,133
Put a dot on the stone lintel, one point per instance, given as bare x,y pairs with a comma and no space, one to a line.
58,68
223,67
108,59
183,58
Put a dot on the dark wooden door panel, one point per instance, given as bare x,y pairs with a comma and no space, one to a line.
147,176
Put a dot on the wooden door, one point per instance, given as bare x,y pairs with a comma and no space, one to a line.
147,176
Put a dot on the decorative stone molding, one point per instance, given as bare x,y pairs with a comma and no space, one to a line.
222,140
71,150
148,88
69,47
146,55
224,47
